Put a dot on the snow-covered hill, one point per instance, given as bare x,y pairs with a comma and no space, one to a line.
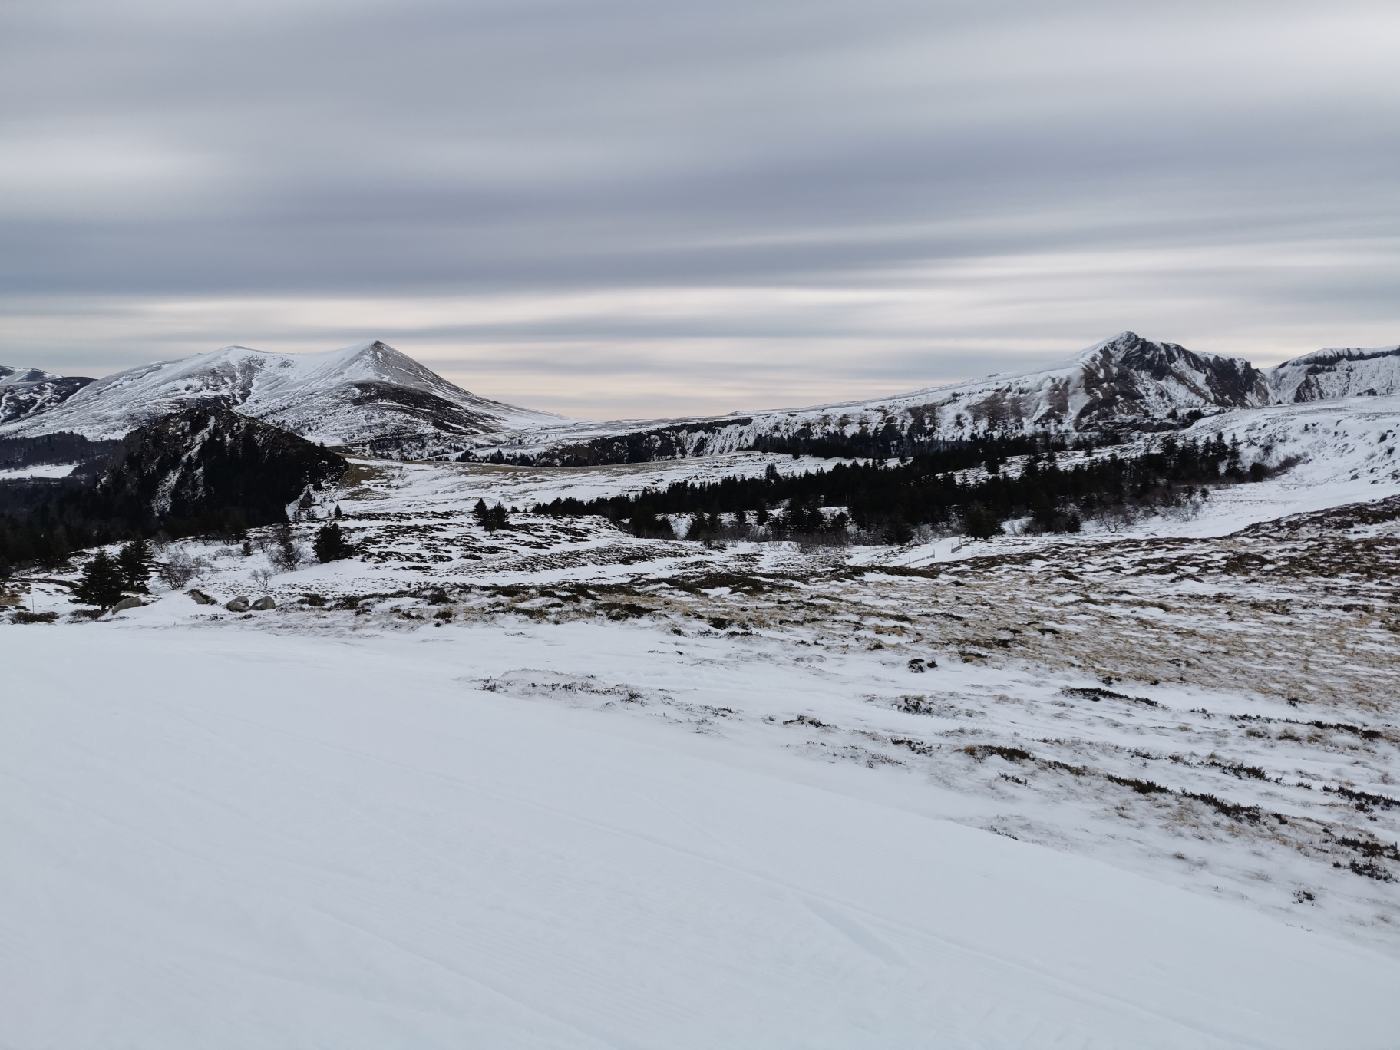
1337,372
1121,384
368,395
25,392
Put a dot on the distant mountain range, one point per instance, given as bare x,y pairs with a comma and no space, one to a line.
372,399
1123,384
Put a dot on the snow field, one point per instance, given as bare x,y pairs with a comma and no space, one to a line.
234,838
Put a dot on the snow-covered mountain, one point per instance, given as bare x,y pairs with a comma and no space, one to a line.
1337,372
25,392
374,399
369,395
1126,383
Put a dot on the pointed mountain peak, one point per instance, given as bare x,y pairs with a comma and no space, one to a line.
1124,342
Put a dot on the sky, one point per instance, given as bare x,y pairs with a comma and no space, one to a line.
612,209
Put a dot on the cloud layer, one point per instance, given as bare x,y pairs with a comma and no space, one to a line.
609,208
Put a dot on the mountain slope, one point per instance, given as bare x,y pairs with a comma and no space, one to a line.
1337,372
368,395
26,392
1125,383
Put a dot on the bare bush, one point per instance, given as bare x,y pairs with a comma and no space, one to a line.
177,569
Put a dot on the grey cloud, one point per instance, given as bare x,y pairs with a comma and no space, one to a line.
158,154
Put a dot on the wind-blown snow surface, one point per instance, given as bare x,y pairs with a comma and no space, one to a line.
358,394
235,839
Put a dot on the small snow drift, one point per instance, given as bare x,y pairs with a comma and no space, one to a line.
368,395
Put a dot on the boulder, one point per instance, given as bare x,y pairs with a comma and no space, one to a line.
201,597
129,602
237,605
264,603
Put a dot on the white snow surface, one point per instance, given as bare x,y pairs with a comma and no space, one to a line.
234,838
41,470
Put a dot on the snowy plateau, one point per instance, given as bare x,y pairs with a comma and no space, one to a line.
558,785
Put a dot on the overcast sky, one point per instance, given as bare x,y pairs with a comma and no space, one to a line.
624,208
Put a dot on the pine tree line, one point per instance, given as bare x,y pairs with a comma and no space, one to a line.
883,503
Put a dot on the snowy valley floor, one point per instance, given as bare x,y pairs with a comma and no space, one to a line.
558,787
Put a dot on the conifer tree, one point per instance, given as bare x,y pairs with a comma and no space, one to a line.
134,561
330,543
285,555
100,583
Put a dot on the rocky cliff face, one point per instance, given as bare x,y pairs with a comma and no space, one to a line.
1336,373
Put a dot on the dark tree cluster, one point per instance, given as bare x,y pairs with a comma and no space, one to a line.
202,471
676,441
882,502
915,440
330,543
62,447
105,580
491,518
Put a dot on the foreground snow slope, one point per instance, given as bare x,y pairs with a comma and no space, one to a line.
233,838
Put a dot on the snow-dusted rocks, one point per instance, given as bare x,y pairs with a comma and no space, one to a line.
1337,373
26,392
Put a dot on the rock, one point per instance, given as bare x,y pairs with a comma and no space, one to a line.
264,603
129,602
237,605
201,597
